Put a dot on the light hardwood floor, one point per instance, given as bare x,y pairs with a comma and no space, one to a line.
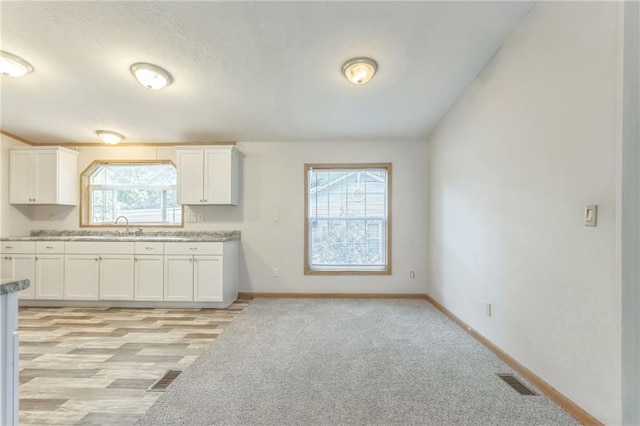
90,366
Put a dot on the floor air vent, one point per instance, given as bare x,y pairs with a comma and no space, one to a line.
512,381
163,383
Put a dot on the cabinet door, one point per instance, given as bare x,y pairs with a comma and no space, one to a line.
190,177
6,267
81,277
46,177
21,177
207,278
149,278
116,277
50,276
178,278
217,177
24,267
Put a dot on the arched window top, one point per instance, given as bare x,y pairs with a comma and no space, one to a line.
144,192
134,174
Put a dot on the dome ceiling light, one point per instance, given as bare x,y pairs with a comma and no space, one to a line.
151,76
359,70
13,66
109,137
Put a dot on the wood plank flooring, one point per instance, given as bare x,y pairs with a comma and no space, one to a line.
92,366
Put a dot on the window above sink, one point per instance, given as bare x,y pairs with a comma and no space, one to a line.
142,191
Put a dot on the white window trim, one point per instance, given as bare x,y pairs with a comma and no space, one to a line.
346,270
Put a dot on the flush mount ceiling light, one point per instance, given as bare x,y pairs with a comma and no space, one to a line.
13,66
109,137
151,76
359,70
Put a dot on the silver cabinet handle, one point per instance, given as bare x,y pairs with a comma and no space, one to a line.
96,259
36,258
191,260
193,248
148,248
50,247
9,247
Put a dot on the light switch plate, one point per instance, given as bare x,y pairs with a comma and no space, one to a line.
591,215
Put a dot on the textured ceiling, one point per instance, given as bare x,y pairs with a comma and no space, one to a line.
244,71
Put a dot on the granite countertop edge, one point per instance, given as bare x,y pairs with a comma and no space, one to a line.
218,236
13,286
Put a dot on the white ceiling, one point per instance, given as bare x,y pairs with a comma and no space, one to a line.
244,71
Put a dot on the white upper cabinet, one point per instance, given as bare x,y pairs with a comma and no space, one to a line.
43,176
208,176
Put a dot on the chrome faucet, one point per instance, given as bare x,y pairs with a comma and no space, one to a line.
139,232
125,218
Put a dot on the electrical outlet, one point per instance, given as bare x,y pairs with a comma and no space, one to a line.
487,308
276,273
276,218
200,217
189,217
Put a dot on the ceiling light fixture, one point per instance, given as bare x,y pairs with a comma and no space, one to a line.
109,137
359,70
151,76
13,66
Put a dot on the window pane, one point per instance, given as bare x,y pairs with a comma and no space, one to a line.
347,214
144,193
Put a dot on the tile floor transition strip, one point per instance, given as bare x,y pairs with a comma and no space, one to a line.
94,366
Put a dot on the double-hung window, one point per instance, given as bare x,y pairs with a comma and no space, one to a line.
143,192
347,219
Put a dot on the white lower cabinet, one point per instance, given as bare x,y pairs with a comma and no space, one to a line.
197,278
24,266
49,283
105,275
149,278
18,261
178,273
81,276
207,279
123,271
32,260
49,276
116,277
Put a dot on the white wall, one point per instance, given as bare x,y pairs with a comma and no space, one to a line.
630,217
273,174
510,169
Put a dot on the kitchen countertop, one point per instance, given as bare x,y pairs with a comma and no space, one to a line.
97,236
12,285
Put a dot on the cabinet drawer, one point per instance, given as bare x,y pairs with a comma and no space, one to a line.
18,247
193,248
91,247
142,247
54,247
